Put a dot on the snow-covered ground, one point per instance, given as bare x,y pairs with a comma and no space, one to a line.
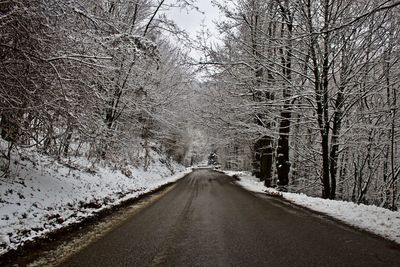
374,219
47,195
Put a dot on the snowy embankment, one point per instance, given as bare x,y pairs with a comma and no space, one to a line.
48,195
374,219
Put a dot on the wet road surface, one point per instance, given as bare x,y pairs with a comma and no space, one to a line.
207,220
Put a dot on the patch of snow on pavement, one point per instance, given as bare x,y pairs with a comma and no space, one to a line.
374,219
46,195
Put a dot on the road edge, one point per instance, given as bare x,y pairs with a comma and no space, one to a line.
319,214
45,241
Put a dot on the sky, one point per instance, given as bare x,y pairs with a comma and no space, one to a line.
192,20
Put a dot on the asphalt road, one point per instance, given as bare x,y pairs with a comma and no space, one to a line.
207,220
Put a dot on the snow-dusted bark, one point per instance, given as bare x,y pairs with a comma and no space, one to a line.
329,69
89,77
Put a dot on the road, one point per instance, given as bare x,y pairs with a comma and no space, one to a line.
207,220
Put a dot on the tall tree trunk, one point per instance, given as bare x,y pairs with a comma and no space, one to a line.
334,154
321,83
263,152
283,163
393,204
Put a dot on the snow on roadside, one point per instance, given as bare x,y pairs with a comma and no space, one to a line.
374,219
48,195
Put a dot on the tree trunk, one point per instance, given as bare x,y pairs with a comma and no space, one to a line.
334,141
266,160
283,164
67,142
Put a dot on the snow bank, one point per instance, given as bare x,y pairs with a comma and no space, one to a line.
48,195
374,219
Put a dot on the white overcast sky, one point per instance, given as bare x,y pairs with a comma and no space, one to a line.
192,20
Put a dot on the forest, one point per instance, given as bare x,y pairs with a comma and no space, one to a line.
100,79
303,93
